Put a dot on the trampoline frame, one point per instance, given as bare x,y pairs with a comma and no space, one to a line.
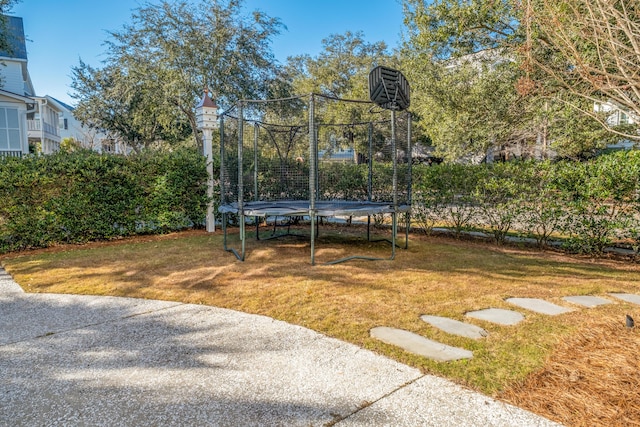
314,209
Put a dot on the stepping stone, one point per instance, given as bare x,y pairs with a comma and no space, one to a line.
419,345
632,298
539,306
455,327
497,315
587,300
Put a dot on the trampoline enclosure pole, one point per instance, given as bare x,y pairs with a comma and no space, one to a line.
222,181
394,160
370,177
240,173
409,179
312,175
256,131
370,165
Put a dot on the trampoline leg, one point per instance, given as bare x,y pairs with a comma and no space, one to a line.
313,239
242,236
406,233
224,231
369,228
224,240
394,228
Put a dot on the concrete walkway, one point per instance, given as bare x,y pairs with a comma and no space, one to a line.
105,361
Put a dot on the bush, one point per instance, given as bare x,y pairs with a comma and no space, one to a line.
80,196
600,196
591,204
543,210
75,197
499,192
445,194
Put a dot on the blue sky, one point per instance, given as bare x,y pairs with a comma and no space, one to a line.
62,31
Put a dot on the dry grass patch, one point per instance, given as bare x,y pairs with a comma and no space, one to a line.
435,276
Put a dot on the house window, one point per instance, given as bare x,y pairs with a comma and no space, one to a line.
9,130
624,118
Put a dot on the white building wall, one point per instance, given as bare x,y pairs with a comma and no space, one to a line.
616,116
15,90
70,127
12,74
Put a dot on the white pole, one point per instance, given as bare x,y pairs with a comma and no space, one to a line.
207,136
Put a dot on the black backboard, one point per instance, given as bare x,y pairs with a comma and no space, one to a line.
388,88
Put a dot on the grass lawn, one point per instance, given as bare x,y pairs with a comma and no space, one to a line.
575,368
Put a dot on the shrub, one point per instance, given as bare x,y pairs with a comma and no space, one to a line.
499,192
445,194
589,203
600,196
543,209
75,197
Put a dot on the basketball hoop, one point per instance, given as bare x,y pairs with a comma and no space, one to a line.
388,88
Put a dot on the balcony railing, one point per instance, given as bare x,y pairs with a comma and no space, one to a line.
10,153
34,125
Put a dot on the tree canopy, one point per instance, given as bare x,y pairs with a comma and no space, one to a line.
464,74
454,28
340,71
485,75
489,74
158,66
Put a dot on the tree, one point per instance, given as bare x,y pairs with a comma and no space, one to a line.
158,66
576,135
470,107
589,50
127,106
475,86
449,29
70,144
465,72
341,70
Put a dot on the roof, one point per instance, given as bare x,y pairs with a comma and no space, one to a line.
206,101
62,104
15,38
17,96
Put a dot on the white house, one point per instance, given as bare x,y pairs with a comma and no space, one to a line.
70,127
16,91
42,125
25,119
617,116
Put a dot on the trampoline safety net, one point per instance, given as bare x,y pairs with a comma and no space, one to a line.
313,156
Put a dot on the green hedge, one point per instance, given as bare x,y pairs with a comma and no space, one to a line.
588,205
81,196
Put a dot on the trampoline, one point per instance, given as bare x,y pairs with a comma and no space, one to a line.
274,166
297,208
